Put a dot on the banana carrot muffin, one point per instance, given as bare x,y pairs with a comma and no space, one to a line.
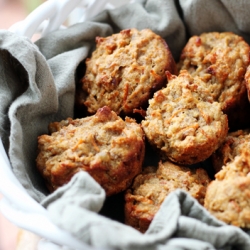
233,145
183,121
125,70
110,149
245,115
227,197
221,60
247,79
149,189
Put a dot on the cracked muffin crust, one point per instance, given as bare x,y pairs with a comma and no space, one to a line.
149,189
227,197
110,149
233,145
221,60
125,70
183,121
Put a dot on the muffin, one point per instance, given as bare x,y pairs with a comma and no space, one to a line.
110,149
247,79
149,189
227,197
183,121
221,60
233,145
124,71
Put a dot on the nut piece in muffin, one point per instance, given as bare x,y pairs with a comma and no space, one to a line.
227,197
150,188
125,70
184,122
233,145
110,149
221,60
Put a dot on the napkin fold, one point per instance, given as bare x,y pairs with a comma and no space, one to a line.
181,222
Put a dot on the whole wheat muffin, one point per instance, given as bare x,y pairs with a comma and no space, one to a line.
233,145
125,70
110,149
184,122
150,188
221,60
227,197
247,79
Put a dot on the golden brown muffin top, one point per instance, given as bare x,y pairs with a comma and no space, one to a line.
240,166
150,188
232,146
156,184
125,69
183,121
221,60
227,197
104,145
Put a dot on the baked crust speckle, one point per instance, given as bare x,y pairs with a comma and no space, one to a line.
221,60
150,188
110,149
227,197
184,122
125,70
231,147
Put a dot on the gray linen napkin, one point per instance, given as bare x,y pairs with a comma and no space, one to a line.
181,223
37,86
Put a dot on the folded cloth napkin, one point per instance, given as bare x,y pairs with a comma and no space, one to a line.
37,86
181,223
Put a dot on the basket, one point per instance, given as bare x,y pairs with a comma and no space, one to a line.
175,21
17,206
51,15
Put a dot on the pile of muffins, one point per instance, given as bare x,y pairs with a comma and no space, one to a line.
189,112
